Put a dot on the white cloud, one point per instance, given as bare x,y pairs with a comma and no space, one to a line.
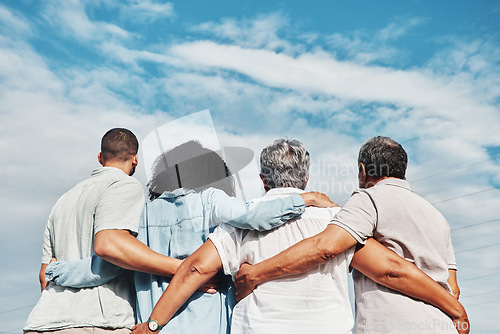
143,10
13,22
260,33
259,86
70,17
367,47
446,97
397,29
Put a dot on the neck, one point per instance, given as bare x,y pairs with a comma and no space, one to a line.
372,182
118,164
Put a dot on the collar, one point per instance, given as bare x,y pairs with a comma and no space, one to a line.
102,170
284,191
395,182
176,193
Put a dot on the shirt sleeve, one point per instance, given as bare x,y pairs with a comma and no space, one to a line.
358,217
84,273
120,207
47,249
254,215
227,240
452,263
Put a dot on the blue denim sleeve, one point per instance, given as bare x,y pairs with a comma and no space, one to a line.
84,273
259,215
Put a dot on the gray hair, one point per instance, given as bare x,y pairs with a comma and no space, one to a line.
285,163
383,156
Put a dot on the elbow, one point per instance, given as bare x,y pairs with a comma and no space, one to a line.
191,274
100,251
109,244
198,269
103,247
394,271
195,270
103,251
325,251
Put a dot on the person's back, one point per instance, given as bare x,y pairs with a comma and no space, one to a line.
415,230
386,209
316,301
176,224
109,199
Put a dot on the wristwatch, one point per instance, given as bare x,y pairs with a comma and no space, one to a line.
154,326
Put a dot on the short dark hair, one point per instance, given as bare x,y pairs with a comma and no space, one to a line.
383,157
119,144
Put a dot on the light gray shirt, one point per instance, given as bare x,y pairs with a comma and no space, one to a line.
411,227
109,199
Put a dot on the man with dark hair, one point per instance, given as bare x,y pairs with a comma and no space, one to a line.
108,202
386,209
118,144
314,300
383,157
99,215
192,196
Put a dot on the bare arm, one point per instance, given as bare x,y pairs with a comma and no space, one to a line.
389,269
452,282
297,259
122,249
197,269
41,277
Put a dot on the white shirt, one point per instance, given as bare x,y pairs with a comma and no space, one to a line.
313,302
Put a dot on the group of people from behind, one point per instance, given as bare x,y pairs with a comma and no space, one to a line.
290,263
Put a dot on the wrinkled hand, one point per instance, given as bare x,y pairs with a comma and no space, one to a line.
462,325
243,282
320,200
461,322
211,286
142,328
456,291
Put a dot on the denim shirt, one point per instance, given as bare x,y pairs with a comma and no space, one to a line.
176,224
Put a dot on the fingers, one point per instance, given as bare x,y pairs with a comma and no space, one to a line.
322,200
243,288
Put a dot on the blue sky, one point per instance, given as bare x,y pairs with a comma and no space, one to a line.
328,73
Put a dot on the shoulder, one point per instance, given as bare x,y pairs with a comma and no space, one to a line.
118,180
362,197
212,193
322,213
212,197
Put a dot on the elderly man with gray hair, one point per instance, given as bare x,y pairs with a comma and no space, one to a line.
384,208
313,301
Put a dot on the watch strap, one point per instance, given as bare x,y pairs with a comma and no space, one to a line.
160,327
